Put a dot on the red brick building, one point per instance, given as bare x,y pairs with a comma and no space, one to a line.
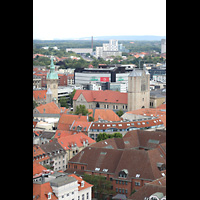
127,169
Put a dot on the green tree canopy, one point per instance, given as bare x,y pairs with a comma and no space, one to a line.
81,109
102,186
119,113
63,102
104,136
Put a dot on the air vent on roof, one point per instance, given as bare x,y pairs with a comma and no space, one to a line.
105,170
137,175
97,169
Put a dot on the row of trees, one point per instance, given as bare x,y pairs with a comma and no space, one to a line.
104,136
137,46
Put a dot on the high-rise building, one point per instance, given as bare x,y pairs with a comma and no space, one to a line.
108,49
163,46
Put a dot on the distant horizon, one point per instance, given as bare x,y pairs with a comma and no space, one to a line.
107,37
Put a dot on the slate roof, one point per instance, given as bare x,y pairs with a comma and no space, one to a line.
159,185
135,139
52,147
113,161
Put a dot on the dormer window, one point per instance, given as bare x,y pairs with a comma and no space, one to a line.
82,183
161,166
49,195
123,173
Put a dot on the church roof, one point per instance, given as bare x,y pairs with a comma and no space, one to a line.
137,72
52,74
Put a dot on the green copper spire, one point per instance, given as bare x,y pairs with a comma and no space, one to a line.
52,74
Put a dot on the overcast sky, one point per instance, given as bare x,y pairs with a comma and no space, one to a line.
85,18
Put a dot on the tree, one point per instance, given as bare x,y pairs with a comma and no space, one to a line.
104,136
91,119
117,135
81,109
119,113
34,104
102,187
71,97
63,102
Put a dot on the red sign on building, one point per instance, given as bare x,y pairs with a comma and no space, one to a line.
104,79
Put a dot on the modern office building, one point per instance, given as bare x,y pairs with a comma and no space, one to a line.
104,73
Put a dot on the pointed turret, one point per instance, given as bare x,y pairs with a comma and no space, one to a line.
52,74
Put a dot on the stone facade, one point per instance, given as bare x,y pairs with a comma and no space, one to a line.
138,89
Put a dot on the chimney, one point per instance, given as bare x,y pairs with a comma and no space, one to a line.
43,179
82,183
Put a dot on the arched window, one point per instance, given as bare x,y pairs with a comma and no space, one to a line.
97,105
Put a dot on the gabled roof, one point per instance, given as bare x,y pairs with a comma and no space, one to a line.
75,140
135,139
102,160
157,112
50,108
146,191
62,133
105,114
80,125
40,191
79,179
66,121
52,146
39,153
98,158
39,94
102,96
37,168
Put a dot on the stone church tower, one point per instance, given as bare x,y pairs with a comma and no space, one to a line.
52,83
138,89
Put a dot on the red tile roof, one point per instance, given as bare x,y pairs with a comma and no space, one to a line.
105,114
66,121
37,168
84,126
79,179
157,112
62,133
66,142
40,191
102,96
38,153
39,94
50,108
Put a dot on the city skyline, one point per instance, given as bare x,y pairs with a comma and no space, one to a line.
63,19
